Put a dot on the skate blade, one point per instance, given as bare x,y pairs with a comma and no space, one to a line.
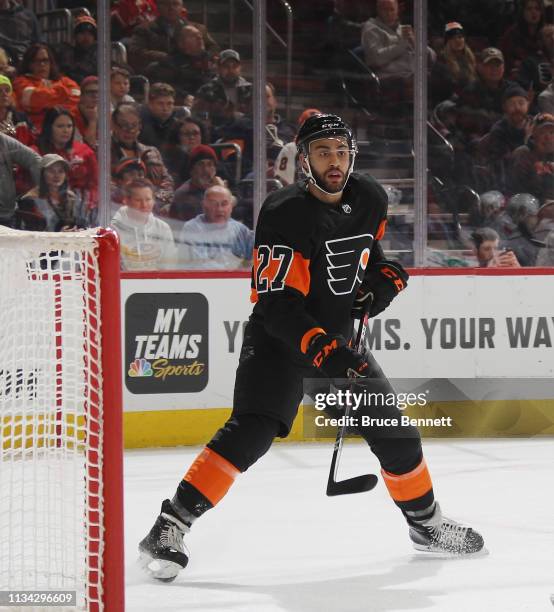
437,553
164,571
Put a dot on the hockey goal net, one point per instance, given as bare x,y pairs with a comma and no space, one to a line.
61,504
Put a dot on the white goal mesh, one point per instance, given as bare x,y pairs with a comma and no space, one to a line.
51,415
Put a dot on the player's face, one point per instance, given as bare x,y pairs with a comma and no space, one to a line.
329,160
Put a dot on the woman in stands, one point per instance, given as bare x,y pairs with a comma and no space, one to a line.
52,206
57,136
455,67
40,86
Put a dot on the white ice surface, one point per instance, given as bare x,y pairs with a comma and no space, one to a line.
276,543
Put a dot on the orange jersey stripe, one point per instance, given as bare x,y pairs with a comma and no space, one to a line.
304,343
405,487
211,474
381,230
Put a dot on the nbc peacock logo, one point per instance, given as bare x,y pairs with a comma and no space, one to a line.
140,367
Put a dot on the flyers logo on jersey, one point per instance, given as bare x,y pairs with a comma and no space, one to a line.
347,259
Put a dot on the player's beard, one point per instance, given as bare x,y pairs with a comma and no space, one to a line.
321,180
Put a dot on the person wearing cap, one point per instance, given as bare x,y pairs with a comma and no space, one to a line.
13,153
19,27
533,163
126,127
522,39
126,170
455,67
228,86
187,202
480,103
213,240
51,206
154,41
512,131
13,122
80,59
146,242
188,65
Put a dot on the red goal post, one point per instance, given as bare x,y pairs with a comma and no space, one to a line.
61,440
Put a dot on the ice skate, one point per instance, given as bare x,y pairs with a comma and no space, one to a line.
163,553
439,534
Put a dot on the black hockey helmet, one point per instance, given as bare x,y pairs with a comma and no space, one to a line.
324,126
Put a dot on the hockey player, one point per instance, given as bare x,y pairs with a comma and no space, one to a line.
317,258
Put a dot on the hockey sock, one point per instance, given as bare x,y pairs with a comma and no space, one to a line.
412,491
204,485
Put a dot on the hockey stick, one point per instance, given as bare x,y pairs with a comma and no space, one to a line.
358,484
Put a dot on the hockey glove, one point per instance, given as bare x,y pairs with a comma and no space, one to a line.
334,358
383,281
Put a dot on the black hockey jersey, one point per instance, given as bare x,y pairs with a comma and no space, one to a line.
310,258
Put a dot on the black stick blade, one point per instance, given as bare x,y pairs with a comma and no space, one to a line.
358,484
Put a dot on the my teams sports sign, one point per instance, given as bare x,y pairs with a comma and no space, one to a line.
166,343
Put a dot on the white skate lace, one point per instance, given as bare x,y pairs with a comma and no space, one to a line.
172,534
449,535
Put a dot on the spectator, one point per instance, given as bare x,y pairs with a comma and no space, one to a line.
455,67
120,84
480,103
151,42
516,226
52,206
159,116
508,133
126,15
187,202
487,253
533,163
80,60
188,65
213,240
523,37
12,122
18,28
491,203
127,170
146,241
126,127
58,136
86,117
40,85
535,73
13,152
185,135
389,50
228,86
